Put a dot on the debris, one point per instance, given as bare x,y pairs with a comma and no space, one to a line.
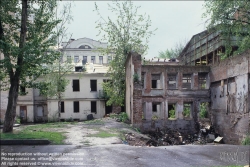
218,139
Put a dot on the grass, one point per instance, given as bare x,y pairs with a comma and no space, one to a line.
94,122
38,131
103,134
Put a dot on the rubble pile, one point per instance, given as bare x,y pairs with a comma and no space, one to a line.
168,137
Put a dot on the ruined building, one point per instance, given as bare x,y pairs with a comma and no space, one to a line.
170,94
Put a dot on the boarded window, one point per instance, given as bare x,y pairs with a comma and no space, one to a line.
93,59
62,106
171,81
202,80
93,85
76,85
186,81
76,106
100,59
93,107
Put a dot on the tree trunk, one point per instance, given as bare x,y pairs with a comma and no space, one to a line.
15,79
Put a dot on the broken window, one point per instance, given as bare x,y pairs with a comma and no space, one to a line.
76,106
186,81
78,69
100,59
156,107
62,106
93,107
76,85
187,110
93,59
156,81
84,60
202,80
93,85
171,81
171,111
76,59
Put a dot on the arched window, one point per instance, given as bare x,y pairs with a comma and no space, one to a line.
84,47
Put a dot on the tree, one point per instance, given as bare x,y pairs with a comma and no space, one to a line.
129,32
26,35
173,52
55,82
232,20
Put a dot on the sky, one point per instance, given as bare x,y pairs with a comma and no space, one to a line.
176,21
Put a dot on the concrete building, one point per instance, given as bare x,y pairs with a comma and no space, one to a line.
83,95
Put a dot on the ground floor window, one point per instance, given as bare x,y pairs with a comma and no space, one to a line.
93,107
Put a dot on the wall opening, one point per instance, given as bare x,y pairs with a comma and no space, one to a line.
93,59
93,107
202,77
39,111
76,59
62,106
22,90
187,109
76,85
76,106
93,85
186,81
84,60
100,59
78,69
156,81
171,110
172,81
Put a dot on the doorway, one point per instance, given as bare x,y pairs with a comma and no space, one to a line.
23,114
108,109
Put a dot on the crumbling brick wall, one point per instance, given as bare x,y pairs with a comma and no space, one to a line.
230,97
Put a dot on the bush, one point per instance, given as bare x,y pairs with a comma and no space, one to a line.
246,140
121,117
203,110
186,112
172,112
17,120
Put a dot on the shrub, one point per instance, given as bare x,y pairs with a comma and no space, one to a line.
203,110
186,111
17,120
172,112
246,140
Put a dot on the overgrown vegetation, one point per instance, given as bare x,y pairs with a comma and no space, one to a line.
187,110
123,117
172,112
203,110
246,140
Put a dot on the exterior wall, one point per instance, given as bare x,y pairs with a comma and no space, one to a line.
230,97
140,96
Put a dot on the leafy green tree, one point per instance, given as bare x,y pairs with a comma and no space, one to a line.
128,32
25,44
173,52
232,19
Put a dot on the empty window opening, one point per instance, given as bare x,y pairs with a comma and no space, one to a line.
171,111
62,106
100,59
84,60
78,69
187,110
186,81
172,81
76,106
93,107
76,59
142,79
155,78
156,107
93,59
202,80
93,85
76,85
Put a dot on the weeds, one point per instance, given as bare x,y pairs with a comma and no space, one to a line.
203,110
246,140
123,117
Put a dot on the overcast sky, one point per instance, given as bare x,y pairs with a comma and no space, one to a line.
175,21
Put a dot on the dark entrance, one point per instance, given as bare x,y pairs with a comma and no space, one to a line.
108,109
